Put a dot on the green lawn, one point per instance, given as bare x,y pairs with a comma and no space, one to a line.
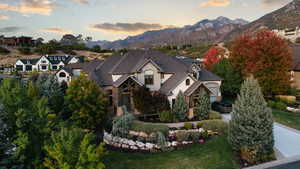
287,118
215,154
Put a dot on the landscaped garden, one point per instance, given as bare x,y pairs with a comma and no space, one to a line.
215,154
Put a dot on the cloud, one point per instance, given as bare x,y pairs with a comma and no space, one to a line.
127,28
3,17
82,1
271,3
216,3
10,29
42,7
57,31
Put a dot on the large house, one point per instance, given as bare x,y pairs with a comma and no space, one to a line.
120,74
45,63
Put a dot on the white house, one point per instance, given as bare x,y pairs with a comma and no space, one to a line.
44,63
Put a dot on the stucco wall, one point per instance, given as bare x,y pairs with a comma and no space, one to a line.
181,87
157,79
296,79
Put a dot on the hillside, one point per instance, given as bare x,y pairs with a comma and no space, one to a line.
285,17
203,31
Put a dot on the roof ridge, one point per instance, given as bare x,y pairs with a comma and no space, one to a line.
118,63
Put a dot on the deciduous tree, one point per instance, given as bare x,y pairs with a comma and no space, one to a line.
212,56
267,57
87,102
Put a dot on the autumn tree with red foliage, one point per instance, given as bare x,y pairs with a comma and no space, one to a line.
212,56
267,57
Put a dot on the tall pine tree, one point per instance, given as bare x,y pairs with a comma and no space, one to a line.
180,107
252,124
203,106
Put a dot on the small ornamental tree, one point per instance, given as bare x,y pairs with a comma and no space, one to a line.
232,79
73,149
203,106
180,107
267,57
212,56
87,103
251,126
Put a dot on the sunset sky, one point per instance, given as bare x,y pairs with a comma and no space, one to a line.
115,19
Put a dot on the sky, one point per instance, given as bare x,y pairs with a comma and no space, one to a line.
117,19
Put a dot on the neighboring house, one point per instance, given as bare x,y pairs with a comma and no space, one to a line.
295,72
291,34
17,41
45,63
120,74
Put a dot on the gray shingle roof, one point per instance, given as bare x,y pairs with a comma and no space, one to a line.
87,67
205,75
122,79
130,62
194,87
30,61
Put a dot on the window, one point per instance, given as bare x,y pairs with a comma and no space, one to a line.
28,68
62,74
149,77
44,67
19,67
187,82
173,102
61,66
43,61
54,67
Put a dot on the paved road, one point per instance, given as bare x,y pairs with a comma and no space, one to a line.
287,140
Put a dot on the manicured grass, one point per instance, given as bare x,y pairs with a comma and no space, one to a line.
287,118
215,154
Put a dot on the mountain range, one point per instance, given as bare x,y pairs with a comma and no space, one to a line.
215,30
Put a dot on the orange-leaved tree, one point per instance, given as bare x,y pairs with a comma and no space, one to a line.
267,57
212,56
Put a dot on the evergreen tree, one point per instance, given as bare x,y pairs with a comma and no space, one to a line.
180,107
72,149
50,88
232,79
252,124
203,106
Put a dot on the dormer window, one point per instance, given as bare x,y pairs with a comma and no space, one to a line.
149,77
187,82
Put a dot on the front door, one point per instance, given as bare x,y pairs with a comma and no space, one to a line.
126,101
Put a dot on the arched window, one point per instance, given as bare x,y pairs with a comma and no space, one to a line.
62,74
187,82
149,77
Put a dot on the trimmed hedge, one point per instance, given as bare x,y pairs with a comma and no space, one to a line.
188,126
149,128
215,125
214,115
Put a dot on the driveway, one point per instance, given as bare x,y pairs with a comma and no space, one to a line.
287,140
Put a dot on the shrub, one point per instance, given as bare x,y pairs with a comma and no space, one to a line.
199,124
122,124
215,125
279,105
214,115
167,116
182,136
286,99
251,155
161,140
149,128
204,135
188,126
194,136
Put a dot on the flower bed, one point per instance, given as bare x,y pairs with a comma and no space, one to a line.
176,138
